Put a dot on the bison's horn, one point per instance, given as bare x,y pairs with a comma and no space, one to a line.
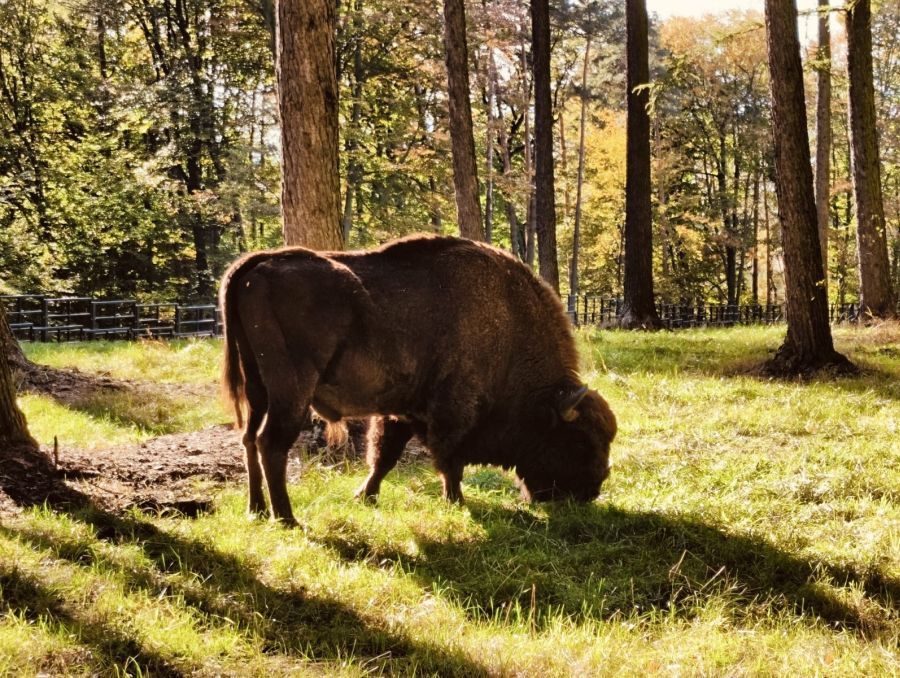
569,402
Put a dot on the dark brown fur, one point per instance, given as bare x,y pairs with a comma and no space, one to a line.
448,339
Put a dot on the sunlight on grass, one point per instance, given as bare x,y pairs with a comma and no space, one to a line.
749,527
179,361
47,418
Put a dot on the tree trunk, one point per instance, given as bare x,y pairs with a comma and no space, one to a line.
769,282
511,216
823,131
528,249
876,297
545,200
489,142
13,427
308,107
755,269
351,146
462,141
579,181
808,345
639,310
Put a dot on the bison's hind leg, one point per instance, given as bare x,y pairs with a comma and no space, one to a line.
386,441
257,402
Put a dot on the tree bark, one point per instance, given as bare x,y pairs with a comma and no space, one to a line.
639,309
462,140
579,181
528,248
823,131
351,145
13,427
545,199
876,297
808,345
489,142
308,107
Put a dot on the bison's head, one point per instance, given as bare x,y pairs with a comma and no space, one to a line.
572,459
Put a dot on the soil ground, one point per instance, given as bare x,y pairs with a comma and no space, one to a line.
180,472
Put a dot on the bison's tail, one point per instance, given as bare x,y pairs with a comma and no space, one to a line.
238,365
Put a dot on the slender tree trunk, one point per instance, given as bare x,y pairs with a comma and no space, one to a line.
823,130
808,345
876,296
13,427
354,170
529,165
489,142
755,270
545,199
308,107
579,182
639,310
511,216
462,141
436,221
769,281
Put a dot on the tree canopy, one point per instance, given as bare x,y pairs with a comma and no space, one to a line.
140,145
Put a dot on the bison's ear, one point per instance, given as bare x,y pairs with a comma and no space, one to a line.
568,402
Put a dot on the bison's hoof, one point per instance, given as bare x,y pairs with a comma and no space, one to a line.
365,496
288,522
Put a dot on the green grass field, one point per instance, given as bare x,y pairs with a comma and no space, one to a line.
749,527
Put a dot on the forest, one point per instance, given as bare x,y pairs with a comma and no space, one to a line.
140,148
574,490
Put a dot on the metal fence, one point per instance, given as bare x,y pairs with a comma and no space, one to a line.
605,312
36,317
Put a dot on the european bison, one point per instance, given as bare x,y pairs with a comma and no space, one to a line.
447,339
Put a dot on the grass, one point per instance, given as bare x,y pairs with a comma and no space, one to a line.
181,397
750,527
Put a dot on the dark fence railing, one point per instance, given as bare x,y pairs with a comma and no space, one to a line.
35,317
592,310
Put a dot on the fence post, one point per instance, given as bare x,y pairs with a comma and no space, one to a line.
45,311
177,319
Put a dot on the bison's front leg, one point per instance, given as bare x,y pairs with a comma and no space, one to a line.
451,478
386,441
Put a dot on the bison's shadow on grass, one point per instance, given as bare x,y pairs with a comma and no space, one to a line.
602,562
22,594
224,591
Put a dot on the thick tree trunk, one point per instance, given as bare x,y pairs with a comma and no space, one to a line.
308,107
579,181
13,427
465,172
545,199
823,131
639,310
808,345
876,297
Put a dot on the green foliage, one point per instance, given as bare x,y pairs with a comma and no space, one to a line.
139,145
749,526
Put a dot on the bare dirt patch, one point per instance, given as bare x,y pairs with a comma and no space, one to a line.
180,472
